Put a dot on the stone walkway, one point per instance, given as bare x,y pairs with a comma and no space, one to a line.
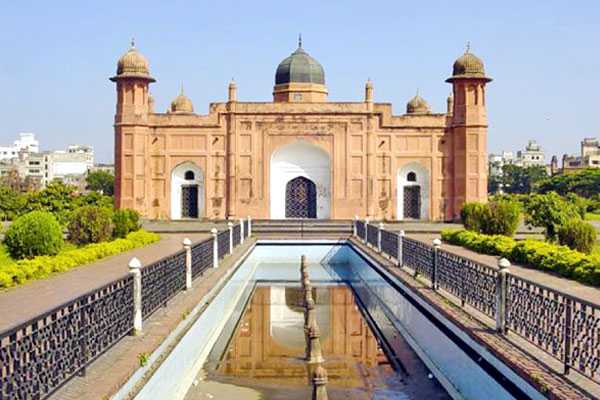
565,285
22,303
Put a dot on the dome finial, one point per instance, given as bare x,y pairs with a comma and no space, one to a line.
132,43
181,89
299,40
468,47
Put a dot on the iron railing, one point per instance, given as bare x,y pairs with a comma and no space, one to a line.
246,223
202,257
40,355
223,244
372,235
45,352
237,234
565,327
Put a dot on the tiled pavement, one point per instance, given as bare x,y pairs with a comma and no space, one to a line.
22,303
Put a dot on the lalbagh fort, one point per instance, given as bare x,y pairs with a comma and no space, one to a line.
300,156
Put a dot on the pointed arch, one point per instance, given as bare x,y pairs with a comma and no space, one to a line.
187,191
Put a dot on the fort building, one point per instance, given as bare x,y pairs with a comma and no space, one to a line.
299,156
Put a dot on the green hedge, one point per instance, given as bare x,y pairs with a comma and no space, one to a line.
533,253
42,266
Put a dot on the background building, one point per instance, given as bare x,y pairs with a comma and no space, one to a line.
532,155
26,142
589,157
300,156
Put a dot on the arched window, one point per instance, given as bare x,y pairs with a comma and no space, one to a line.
411,177
189,175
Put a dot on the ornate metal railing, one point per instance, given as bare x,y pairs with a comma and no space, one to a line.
161,281
223,244
43,353
372,235
563,326
202,257
473,283
246,228
389,243
360,229
418,256
237,234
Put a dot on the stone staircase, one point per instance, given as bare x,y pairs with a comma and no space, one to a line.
302,229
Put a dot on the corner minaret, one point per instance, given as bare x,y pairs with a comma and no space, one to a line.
299,79
131,131
468,127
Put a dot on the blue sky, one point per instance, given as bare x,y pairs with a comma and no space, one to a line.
56,58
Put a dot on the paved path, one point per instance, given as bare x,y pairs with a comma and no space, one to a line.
568,286
22,303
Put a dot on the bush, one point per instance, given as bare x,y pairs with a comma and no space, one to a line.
534,253
472,216
42,266
90,224
34,234
500,217
549,211
577,235
125,221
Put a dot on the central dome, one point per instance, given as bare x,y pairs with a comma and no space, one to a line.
299,67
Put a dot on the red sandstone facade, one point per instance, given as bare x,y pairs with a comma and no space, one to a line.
241,158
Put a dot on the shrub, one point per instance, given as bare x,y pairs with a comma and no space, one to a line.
534,253
90,224
472,215
577,235
125,221
549,211
34,234
42,266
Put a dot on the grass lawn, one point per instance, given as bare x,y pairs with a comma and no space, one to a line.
592,217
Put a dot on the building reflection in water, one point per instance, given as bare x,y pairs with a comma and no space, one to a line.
268,346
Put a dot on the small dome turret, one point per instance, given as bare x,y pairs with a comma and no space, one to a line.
468,66
417,105
181,105
299,67
133,64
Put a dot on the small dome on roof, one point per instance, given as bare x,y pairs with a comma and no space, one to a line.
417,105
299,67
133,63
468,66
181,104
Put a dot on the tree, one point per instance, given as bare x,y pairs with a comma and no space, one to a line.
584,183
522,180
549,211
12,203
57,198
101,181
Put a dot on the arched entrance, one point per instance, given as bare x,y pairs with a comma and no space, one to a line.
187,191
413,192
308,197
300,198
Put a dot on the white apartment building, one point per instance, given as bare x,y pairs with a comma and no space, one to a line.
26,142
530,156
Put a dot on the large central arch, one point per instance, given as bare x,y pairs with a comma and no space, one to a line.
300,159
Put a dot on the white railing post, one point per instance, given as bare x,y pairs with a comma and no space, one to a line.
241,230
230,226
437,243
249,226
215,247
354,225
187,245
501,294
366,231
135,269
400,239
379,236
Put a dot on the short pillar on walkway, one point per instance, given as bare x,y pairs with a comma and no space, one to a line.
187,245
135,269
319,381
354,225
215,247
502,294
309,319
379,236
230,226
366,238
437,243
249,226
242,234
400,262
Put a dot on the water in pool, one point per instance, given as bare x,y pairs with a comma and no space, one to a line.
261,352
